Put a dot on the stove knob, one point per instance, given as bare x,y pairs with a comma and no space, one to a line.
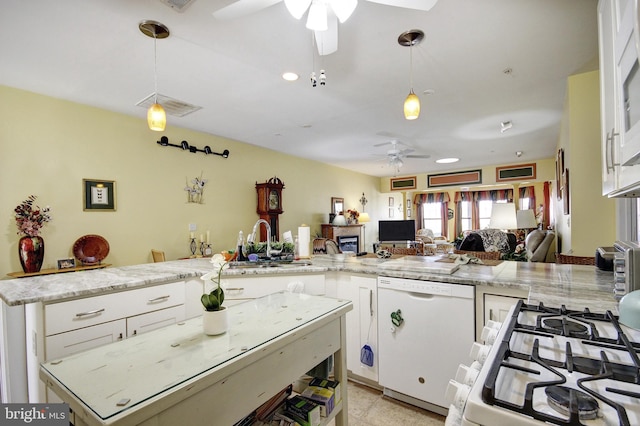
454,418
476,366
489,335
493,324
466,375
479,352
457,394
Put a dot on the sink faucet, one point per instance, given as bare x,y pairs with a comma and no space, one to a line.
252,237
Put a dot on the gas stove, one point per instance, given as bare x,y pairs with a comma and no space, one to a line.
554,366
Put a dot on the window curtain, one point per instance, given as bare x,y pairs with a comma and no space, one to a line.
474,197
546,218
530,193
433,197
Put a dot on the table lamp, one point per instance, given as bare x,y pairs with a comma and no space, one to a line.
503,216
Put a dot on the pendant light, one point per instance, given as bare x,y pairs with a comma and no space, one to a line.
412,102
156,116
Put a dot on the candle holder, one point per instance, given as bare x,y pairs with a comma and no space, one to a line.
202,248
193,246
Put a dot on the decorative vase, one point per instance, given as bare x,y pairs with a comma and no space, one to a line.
215,322
31,252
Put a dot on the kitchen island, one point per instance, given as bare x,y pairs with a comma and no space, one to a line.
175,373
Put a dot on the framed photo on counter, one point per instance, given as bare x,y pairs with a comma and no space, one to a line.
99,195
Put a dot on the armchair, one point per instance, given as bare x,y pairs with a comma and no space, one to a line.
537,244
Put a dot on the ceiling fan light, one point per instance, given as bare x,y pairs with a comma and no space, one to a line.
317,18
411,106
343,8
297,8
156,118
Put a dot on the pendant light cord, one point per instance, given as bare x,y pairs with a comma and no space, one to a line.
411,66
155,66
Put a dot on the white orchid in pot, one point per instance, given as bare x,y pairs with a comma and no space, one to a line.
214,318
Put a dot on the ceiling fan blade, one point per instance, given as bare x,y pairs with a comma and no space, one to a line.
418,156
409,4
242,8
327,41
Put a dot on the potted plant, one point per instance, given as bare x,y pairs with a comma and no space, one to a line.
214,318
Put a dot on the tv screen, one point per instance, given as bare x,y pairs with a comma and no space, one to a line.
397,230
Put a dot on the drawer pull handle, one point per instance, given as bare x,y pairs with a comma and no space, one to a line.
84,314
159,299
235,289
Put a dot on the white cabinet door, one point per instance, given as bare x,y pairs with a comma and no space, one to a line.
609,117
150,321
497,307
362,321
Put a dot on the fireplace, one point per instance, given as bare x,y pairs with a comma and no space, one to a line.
349,243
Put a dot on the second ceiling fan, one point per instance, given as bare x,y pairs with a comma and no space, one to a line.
323,15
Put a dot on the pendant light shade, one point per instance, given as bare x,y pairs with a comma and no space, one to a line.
156,118
412,106
412,102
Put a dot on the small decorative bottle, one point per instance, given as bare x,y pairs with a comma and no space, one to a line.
296,249
241,257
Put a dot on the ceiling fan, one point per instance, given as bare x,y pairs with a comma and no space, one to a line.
323,15
395,156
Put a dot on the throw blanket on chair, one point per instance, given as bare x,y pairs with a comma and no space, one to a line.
494,240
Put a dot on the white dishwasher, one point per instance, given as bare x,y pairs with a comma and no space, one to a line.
425,330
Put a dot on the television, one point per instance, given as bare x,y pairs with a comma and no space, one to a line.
396,230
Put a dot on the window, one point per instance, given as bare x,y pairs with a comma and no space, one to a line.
432,217
465,216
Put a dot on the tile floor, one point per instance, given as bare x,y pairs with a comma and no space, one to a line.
368,407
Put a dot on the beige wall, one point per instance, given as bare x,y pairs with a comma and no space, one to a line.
591,220
47,146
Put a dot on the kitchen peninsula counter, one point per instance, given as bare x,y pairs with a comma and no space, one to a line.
576,286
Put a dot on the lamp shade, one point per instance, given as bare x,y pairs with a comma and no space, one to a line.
364,218
411,106
526,219
340,220
503,216
156,118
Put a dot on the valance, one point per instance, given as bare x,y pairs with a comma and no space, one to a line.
493,195
431,197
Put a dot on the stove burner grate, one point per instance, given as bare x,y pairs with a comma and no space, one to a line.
564,327
564,400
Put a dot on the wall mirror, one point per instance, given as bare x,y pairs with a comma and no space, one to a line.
337,205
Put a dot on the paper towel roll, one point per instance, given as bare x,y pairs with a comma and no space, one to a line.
304,241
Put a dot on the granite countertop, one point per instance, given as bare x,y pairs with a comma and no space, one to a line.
576,286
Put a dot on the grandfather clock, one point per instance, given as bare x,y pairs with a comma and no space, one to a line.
270,206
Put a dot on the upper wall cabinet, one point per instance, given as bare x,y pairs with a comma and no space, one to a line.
620,98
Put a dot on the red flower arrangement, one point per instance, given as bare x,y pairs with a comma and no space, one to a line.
30,218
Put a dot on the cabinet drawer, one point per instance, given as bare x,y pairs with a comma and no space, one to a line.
75,314
252,288
68,343
152,320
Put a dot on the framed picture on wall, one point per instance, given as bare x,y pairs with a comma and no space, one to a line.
565,191
99,195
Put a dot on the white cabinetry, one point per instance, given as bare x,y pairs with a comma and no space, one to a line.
362,321
241,288
493,303
608,96
620,98
63,328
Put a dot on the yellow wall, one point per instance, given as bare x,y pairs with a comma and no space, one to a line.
47,146
591,220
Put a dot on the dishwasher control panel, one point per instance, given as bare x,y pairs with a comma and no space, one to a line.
425,287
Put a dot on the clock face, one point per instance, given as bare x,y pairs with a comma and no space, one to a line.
274,200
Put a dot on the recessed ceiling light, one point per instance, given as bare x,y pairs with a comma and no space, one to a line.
447,160
290,76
